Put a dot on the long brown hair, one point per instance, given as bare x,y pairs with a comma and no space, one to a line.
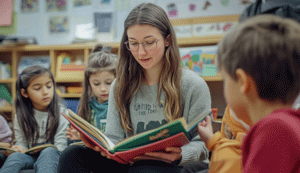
24,107
98,61
130,73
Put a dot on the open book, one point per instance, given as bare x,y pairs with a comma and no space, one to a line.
173,134
7,150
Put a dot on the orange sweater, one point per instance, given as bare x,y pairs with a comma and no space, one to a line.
226,146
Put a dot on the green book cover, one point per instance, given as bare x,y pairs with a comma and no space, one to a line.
152,136
170,129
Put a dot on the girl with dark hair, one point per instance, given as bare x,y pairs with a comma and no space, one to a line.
38,121
150,89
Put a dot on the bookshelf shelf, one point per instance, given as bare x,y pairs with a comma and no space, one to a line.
196,41
213,78
12,55
6,109
6,80
68,80
70,95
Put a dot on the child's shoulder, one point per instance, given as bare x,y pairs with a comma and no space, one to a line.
281,119
284,115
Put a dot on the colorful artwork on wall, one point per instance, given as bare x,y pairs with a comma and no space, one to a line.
81,3
200,59
29,6
172,10
59,24
56,5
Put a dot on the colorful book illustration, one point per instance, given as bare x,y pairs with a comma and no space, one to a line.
200,59
173,134
34,150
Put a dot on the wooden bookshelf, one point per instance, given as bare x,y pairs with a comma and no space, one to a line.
199,41
68,80
70,95
12,55
217,78
7,81
6,109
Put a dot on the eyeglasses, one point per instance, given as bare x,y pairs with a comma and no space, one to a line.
148,45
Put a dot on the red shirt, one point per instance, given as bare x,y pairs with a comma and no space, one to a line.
273,144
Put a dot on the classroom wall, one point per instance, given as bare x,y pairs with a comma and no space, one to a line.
37,24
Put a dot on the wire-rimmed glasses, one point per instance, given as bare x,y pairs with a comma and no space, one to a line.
148,45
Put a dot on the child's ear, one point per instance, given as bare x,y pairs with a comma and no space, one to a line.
24,93
246,82
168,41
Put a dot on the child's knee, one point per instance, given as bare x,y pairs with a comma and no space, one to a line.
15,156
49,151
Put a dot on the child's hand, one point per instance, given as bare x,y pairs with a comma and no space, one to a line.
205,129
91,145
18,148
72,133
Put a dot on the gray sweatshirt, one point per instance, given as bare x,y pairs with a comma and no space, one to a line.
146,113
60,139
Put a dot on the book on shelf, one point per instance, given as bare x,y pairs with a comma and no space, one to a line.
5,94
173,134
6,150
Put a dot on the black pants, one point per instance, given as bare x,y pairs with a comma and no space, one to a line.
80,159
195,167
2,159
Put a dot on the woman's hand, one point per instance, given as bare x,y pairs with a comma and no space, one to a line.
170,154
205,129
18,148
91,145
72,133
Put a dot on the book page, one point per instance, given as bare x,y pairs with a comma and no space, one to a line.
3,149
91,130
38,148
3,144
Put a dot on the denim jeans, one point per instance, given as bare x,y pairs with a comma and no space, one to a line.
46,162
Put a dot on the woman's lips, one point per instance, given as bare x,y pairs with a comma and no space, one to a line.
145,60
